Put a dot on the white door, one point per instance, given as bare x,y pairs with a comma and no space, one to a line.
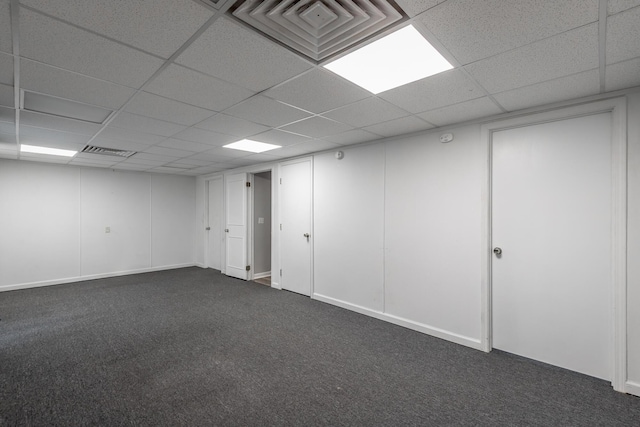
551,217
214,224
295,235
236,225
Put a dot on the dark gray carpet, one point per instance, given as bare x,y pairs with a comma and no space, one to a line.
192,347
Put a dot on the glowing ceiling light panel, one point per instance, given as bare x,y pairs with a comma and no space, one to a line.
397,59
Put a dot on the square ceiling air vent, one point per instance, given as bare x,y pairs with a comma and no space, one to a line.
212,4
319,29
92,149
54,106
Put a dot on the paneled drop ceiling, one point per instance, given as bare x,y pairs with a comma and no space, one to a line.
184,79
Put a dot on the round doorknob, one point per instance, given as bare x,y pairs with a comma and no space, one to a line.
497,251
306,235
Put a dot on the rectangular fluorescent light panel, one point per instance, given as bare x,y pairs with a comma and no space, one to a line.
252,146
46,150
60,107
397,59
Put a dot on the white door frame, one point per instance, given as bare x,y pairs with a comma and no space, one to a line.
207,183
280,165
250,218
618,109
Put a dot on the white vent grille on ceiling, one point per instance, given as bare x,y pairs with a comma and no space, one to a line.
319,28
213,4
92,149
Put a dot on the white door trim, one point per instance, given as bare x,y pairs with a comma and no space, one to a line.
280,165
618,109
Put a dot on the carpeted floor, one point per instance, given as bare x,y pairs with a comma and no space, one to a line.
193,347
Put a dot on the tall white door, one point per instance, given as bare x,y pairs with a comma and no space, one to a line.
551,218
214,224
236,225
295,235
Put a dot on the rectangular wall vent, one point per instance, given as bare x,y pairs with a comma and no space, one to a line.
92,149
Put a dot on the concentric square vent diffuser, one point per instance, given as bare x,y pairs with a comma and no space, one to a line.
319,29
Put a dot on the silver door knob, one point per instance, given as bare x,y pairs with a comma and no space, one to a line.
307,235
226,230
208,228
497,251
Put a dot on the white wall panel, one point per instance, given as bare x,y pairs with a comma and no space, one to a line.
121,201
173,203
633,241
432,231
39,213
348,226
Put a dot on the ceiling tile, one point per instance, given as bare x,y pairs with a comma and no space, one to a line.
159,27
52,138
208,169
7,115
144,124
317,91
416,7
135,159
623,35
5,27
195,88
558,56
304,148
168,152
366,112
58,123
157,107
205,137
473,30
118,144
130,135
83,52
7,97
241,56
219,154
468,110
266,111
616,6
623,75
153,157
95,159
279,137
6,69
231,125
447,88
131,167
317,127
65,84
192,162
355,136
399,126
7,128
31,157
574,86
179,144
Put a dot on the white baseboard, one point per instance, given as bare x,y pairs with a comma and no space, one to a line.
276,285
201,265
410,324
15,287
632,387
261,275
